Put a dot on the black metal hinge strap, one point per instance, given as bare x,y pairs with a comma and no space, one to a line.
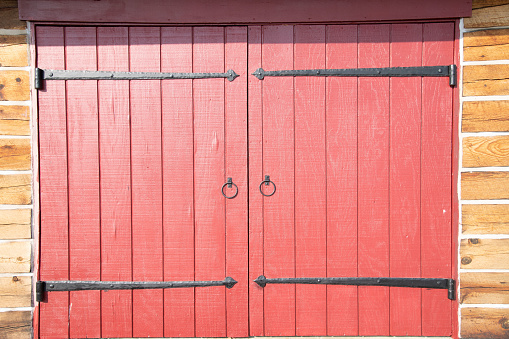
439,283
49,74
421,71
53,286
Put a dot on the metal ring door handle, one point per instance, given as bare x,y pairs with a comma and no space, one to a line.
229,183
267,182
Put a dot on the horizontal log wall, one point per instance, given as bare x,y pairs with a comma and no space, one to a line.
484,244
15,177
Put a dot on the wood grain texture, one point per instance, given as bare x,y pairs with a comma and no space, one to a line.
484,288
489,44
115,181
14,86
486,151
16,291
484,253
83,179
16,325
436,184
15,224
9,16
488,3
236,162
373,180
405,193
255,123
16,189
342,152
54,229
484,116
13,51
488,15
14,120
15,154
485,219
178,200
310,162
489,323
15,257
209,165
486,80
484,185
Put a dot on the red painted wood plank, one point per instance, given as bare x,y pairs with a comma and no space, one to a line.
240,11
54,255
310,181
255,174
209,165
237,302
147,193
405,163
84,197
373,167
341,134
436,181
178,221
278,162
115,164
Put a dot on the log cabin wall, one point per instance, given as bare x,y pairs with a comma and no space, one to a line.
484,220
15,176
484,174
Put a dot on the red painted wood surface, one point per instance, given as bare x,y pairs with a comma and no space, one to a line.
146,176
239,11
405,171
278,121
54,233
341,149
83,176
436,182
115,184
209,161
237,302
373,180
310,179
362,168
178,206
256,231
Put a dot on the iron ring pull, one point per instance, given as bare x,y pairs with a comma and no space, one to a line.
229,183
267,182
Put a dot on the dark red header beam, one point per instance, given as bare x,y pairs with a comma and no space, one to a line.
239,11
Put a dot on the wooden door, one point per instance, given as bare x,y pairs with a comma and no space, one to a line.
131,177
363,174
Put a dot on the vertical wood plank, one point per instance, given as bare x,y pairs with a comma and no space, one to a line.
405,162
84,197
54,256
373,176
237,302
436,182
255,121
278,162
209,165
310,181
147,192
115,164
178,208
341,134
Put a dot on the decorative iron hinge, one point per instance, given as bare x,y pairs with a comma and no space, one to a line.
49,74
439,283
51,286
422,71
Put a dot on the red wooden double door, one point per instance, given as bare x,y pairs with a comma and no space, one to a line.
131,175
